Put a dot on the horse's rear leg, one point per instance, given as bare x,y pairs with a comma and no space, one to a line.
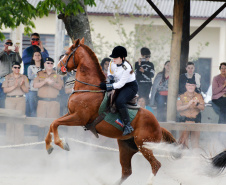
155,164
126,153
148,154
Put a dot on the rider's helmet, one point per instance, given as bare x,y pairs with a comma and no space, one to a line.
119,51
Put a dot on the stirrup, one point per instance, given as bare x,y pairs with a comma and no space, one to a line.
127,130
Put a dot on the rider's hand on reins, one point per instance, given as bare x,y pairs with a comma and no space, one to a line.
103,86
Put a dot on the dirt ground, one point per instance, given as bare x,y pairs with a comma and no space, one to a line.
86,165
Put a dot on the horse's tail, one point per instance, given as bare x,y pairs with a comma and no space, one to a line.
219,161
168,137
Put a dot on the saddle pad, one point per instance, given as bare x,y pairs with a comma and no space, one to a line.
114,119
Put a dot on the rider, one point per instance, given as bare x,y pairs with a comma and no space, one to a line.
122,78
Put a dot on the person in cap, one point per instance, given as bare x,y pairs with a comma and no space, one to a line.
189,106
7,57
15,86
123,80
48,84
145,71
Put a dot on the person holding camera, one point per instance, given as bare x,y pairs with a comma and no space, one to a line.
145,71
36,45
7,56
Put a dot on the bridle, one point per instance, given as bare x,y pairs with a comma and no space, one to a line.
64,69
64,65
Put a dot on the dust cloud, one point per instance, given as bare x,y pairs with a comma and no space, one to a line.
86,165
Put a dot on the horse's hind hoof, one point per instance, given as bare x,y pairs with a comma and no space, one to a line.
49,151
66,147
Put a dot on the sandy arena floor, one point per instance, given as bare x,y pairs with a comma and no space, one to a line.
85,165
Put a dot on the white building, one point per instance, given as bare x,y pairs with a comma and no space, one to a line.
209,45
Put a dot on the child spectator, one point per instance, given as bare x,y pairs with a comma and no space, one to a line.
142,103
145,71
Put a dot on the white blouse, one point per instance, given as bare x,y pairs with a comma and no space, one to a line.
121,74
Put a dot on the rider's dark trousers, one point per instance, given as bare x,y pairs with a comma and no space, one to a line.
125,94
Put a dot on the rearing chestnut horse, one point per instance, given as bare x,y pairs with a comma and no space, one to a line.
83,109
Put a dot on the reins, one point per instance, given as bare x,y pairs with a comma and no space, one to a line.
87,83
74,91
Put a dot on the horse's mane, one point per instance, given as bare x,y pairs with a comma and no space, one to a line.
97,64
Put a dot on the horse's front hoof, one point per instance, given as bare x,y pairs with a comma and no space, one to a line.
49,150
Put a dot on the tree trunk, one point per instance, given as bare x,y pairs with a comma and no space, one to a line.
77,26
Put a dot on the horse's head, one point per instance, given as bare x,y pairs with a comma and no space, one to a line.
69,61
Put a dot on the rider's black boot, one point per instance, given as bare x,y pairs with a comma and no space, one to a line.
126,120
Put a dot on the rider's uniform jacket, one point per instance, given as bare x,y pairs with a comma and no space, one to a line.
121,74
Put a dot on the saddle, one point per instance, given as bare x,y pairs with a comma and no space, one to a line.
132,104
109,109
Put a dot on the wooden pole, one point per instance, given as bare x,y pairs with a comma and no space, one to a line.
185,37
175,59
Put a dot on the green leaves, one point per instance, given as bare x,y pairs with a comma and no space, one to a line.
16,12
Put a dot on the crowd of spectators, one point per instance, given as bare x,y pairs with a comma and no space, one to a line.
190,101
43,86
36,92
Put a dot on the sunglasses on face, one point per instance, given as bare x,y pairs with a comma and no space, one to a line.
49,63
9,43
35,39
16,67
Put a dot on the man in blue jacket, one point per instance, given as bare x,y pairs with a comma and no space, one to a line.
36,45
